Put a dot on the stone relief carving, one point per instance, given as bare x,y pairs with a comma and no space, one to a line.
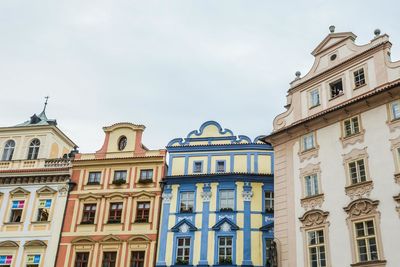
360,207
62,190
353,139
247,195
225,227
309,154
206,196
397,199
354,154
359,190
314,218
167,197
313,202
184,228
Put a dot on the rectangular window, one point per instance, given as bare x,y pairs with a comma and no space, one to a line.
142,212
6,260
137,259
357,171
197,166
226,200
120,176
115,213
146,175
395,110
183,251
359,78
220,166
316,248
109,259
225,250
351,126
82,259
44,210
314,98
366,241
336,88
94,178
33,261
311,185
89,213
268,254
269,201
308,142
187,202
16,210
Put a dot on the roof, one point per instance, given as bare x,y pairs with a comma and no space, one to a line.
38,120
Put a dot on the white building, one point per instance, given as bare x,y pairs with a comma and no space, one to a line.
33,191
337,154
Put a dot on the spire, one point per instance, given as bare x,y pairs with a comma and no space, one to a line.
45,103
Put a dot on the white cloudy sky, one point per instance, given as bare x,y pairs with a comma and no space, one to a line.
170,65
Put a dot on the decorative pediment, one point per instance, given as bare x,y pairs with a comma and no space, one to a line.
89,196
35,243
184,226
9,244
361,207
331,40
267,227
139,239
143,194
116,195
225,225
19,191
111,239
46,190
314,218
83,240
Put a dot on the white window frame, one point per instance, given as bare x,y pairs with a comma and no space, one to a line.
183,247
356,73
313,190
225,247
353,121
227,199
317,246
359,178
367,238
311,99
393,116
186,201
304,142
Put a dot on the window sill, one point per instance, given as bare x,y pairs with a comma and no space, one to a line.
393,124
353,138
360,86
311,202
147,181
114,223
40,222
141,222
13,223
397,178
376,263
92,184
315,106
336,97
361,189
226,211
87,223
309,153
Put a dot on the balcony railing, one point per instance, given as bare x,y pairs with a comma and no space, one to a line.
35,164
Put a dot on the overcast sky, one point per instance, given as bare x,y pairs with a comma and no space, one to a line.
170,65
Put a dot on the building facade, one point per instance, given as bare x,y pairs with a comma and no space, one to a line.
113,211
337,155
34,175
217,200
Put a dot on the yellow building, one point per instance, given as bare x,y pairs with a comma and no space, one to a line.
217,200
112,213
34,175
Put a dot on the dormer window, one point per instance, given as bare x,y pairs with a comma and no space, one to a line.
33,151
359,78
336,88
8,150
122,143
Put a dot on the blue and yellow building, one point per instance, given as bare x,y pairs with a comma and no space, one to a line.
217,201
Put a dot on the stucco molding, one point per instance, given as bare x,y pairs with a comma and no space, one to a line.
139,239
35,243
166,197
397,199
206,196
355,154
83,240
312,202
247,195
310,168
19,191
111,239
360,207
314,218
308,154
9,244
46,190
397,178
359,190
63,190
353,139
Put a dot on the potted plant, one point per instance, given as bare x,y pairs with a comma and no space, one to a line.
181,262
225,261
119,181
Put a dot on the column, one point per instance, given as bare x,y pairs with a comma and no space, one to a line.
247,195
206,197
162,243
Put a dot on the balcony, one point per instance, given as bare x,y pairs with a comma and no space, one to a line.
34,164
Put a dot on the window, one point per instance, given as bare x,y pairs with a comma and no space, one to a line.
268,252
137,259
187,202
226,200
44,210
16,210
6,260
94,178
336,88
269,201
351,126
308,142
119,177
146,175
220,166
8,150
109,259
89,213
115,213
197,166
357,171
122,143
183,251
395,110
33,151
359,78
82,259
366,241
314,98
316,248
311,185
142,212
33,261
225,250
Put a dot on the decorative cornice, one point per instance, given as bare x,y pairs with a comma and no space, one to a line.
312,202
166,197
247,195
361,207
314,218
206,196
22,180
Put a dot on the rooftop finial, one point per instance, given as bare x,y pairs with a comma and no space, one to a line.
332,28
377,32
298,74
45,103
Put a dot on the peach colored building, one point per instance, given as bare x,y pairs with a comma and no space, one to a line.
112,214
337,158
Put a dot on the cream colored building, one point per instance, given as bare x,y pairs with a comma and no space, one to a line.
33,191
337,147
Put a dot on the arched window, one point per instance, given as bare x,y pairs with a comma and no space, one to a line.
122,143
34,149
8,150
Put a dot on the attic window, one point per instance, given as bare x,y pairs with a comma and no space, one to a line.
333,57
336,88
122,143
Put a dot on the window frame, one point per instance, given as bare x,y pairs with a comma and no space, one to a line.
184,247
19,209
358,177
96,173
111,260
303,139
270,200
220,199
33,149
135,261
87,253
353,132
117,176
392,117
217,170
115,215
89,212
333,81
225,258
201,166
142,212
310,99
39,209
188,201
317,246
366,239
314,186
146,179
8,150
